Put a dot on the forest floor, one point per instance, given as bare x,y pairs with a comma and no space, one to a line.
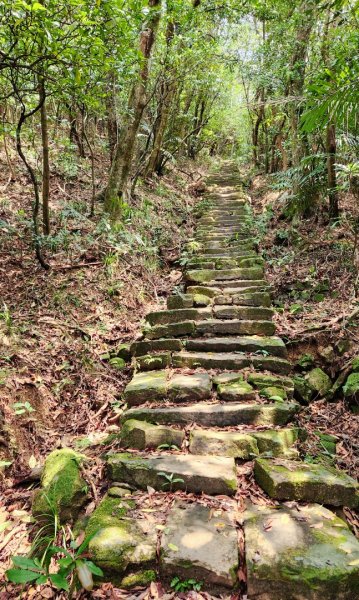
57,329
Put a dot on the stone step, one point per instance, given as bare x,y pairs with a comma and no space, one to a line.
239,285
283,479
220,327
178,315
143,347
159,385
255,343
243,445
228,361
221,251
250,313
141,435
211,327
202,544
299,553
217,415
194,474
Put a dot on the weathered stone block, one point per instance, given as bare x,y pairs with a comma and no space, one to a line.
141,435
211,475
223,443
300,553
290,480
198,545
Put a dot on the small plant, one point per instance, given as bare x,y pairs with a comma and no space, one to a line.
74,569
21,408
5,316
168,447
186,585
171,479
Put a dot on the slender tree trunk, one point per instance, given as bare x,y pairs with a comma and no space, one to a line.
111,114
122,160
331,148
30,170
45,160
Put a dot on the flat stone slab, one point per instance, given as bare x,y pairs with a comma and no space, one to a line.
158,385
147,346
141,435
178,315
244,313
236,391
200,543
300,553
273,345
223,443
217,415
199,276
211,474
189,387
291,480
233,327
229,360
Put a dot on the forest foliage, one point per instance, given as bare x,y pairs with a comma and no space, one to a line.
137,85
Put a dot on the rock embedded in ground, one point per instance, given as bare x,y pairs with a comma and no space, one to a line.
290,480
63,489
319,381
300,553
200,543
211,475
302,390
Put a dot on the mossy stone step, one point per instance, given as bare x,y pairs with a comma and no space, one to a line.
143,347
204,276
201,545
240,285
228,360
211,475
255,343
244,444
142,435
244,313
124,547
178,315
160,385
251,299
223,443
171,330
290,480
217,327
217,415
235,391
300,553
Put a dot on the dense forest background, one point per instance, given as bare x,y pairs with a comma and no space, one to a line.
111,114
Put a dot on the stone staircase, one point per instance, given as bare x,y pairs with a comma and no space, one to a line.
212,389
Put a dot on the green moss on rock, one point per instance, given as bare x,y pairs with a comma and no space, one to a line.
64,491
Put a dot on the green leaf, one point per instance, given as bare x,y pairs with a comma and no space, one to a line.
24,563
37,6
59,582
94,568
41,580
173,547
21,575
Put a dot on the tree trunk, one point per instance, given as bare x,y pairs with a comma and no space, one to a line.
122,160
111,114
331,148
45,160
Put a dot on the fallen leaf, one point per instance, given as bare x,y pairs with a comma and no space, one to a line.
316,525
173,547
